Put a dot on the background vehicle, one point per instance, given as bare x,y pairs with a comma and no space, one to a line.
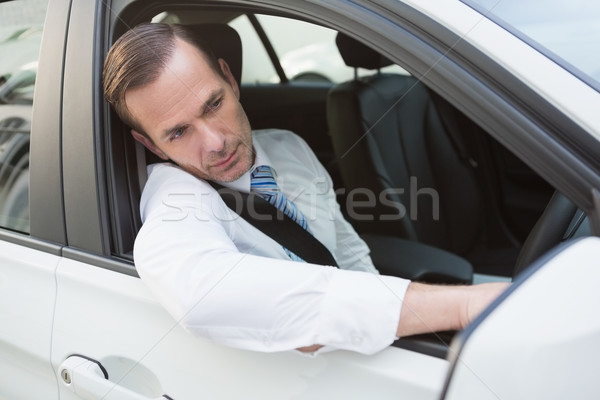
79,323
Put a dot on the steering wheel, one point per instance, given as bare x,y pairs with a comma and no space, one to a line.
547,232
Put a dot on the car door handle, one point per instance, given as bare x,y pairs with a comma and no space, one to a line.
89,380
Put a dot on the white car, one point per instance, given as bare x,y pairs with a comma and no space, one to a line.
77,321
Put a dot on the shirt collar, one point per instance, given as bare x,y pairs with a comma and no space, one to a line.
242,184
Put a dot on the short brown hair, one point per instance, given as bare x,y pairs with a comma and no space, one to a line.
139,57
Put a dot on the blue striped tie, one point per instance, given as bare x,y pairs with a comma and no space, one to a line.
263,183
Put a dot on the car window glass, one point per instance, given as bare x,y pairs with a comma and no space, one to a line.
256,64
21,24
306,52
567,31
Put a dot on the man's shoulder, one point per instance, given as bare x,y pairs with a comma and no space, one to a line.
169,188
166,170
168,176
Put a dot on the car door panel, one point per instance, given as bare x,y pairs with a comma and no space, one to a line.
106,321
535,334
46,197
27,293
111,318
80,115
117,323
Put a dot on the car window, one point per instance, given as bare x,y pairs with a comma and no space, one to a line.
256,64
306,52
567,31
21,25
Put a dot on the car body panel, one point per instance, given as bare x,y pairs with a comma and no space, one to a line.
46,196
566,91
552,350
120,325
70,293
82,167
27,294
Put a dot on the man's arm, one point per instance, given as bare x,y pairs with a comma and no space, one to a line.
425,308
217,288
433,308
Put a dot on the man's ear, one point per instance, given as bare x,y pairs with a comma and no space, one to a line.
229,77
149,144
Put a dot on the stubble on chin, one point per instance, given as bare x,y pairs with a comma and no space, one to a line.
235,171
241,166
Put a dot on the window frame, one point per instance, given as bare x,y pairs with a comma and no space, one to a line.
462,74
47,229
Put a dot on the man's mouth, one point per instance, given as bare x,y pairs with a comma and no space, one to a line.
227,161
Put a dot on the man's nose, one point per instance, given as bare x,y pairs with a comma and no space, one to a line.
212,139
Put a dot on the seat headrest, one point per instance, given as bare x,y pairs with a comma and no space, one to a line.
225,42
357,55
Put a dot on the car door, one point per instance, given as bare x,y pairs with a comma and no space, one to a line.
29,251
113,341
541,340
110,338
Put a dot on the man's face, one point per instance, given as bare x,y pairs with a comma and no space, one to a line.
193,117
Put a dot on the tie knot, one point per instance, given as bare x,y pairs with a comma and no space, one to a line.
262,180
263,170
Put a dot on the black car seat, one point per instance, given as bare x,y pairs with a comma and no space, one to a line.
391,145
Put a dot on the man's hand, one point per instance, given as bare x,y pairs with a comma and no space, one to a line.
434,308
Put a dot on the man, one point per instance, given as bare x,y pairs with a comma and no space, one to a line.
216,274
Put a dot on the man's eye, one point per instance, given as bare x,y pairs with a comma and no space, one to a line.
216,105
177,134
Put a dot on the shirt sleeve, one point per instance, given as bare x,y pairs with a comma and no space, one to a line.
185,256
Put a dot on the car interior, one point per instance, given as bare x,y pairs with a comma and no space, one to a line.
434,195
445,183
436,198
452,201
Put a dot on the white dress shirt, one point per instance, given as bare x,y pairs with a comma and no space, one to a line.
224,279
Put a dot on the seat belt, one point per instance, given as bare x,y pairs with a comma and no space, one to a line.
272,222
